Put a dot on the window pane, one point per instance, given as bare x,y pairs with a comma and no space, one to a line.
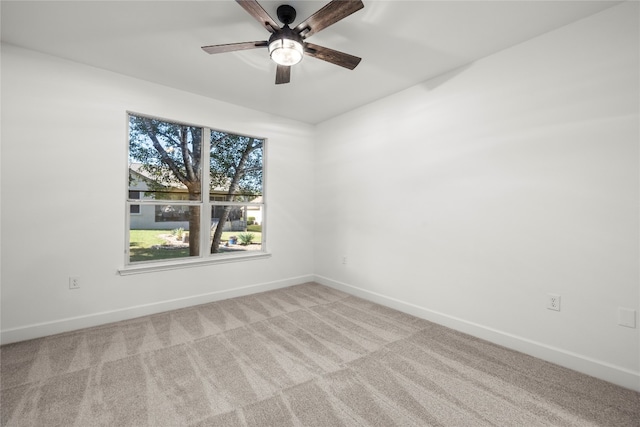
235,167
164,159
236,228
151,240
134,209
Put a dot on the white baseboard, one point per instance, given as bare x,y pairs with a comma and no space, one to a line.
73,323
599,369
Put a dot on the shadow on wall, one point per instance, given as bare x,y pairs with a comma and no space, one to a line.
435,82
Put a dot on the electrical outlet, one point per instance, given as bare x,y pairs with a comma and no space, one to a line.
74,282
344,259
553,302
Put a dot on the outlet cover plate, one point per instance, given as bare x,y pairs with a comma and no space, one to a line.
553,302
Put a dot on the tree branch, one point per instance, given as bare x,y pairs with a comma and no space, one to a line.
184,146
233,187
163,154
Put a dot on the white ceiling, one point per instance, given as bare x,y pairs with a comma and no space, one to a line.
402,43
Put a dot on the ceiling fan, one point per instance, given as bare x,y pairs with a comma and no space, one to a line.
287,45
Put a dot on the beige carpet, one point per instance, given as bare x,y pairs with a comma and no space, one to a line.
304,355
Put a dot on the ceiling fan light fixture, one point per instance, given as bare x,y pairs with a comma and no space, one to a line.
286,51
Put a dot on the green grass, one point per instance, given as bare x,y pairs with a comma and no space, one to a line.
146,238
141,244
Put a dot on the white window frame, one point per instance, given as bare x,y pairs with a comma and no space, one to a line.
205,257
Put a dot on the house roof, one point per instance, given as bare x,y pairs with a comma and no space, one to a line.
140,175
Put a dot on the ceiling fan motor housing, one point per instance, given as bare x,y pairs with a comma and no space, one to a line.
286,14
285,33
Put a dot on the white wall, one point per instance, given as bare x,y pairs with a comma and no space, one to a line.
468,198
64,148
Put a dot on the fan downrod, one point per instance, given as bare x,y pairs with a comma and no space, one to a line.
286,14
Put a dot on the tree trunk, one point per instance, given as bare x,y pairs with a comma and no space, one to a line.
194,220
194,230
217,235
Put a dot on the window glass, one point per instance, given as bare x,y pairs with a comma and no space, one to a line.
134,209
240,232
147,244
236,170
235,165
165,159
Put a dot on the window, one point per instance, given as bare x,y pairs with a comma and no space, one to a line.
134,209
194,193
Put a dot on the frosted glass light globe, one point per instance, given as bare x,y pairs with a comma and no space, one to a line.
286,51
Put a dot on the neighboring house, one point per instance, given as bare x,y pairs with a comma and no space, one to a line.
255,212
172,216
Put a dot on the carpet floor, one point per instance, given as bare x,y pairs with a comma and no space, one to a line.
306,355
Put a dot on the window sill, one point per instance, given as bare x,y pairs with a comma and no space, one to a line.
188,263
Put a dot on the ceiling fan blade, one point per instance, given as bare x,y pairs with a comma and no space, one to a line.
259,14
335,57
331,13
283,74
232,47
